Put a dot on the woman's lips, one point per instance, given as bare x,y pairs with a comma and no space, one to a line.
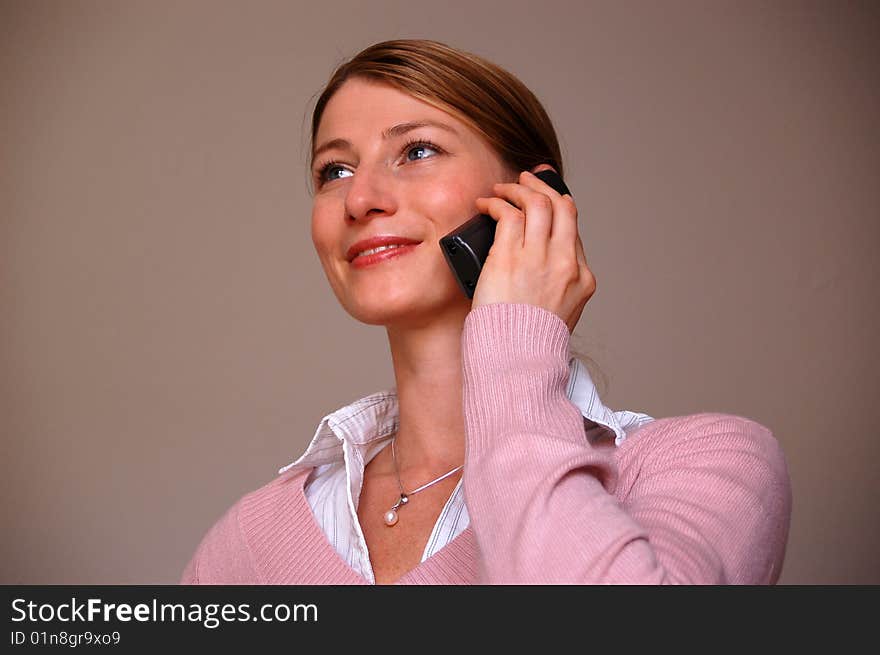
362,261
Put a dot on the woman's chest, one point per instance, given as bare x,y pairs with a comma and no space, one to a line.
394,550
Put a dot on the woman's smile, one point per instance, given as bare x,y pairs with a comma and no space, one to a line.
382,254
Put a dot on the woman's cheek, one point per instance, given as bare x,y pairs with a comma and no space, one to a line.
324,234
448,206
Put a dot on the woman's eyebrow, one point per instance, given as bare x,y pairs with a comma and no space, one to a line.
391,132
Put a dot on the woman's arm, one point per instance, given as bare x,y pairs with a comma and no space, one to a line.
695,499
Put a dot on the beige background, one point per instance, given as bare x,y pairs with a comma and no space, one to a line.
168,339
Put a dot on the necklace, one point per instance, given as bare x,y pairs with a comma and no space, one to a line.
391,514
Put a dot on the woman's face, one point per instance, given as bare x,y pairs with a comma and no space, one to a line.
401,186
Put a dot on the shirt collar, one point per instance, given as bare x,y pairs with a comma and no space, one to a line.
373,418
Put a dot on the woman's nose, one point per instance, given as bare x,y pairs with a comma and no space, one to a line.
370,191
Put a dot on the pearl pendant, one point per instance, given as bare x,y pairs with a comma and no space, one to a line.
391,515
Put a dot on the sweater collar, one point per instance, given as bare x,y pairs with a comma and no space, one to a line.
371,419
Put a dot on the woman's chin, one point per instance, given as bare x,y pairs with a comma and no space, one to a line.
403,311
384,313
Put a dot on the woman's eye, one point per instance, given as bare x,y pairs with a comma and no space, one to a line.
327,172
421,146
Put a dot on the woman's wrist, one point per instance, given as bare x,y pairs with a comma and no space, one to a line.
506,334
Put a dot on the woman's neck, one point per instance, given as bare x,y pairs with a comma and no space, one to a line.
428,374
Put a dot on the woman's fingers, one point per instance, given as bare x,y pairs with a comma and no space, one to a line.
511,223
550,228
537,257
565,237
537,207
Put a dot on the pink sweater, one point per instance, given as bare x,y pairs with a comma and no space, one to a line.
699,499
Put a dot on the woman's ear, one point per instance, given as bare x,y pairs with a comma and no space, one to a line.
543,167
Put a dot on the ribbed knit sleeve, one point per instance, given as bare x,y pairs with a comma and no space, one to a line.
701,499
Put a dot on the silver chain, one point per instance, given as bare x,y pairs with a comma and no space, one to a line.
405,494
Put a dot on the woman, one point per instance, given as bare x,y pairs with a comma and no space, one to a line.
492,460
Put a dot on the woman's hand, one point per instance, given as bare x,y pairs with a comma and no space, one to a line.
537,257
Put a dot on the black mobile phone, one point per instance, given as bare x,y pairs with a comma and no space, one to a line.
467,246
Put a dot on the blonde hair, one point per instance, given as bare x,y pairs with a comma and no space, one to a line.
491,100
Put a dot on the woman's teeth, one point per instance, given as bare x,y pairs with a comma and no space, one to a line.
375,250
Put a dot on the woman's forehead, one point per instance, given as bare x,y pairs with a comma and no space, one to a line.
366,107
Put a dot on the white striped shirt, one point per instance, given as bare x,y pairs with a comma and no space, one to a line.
350,437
